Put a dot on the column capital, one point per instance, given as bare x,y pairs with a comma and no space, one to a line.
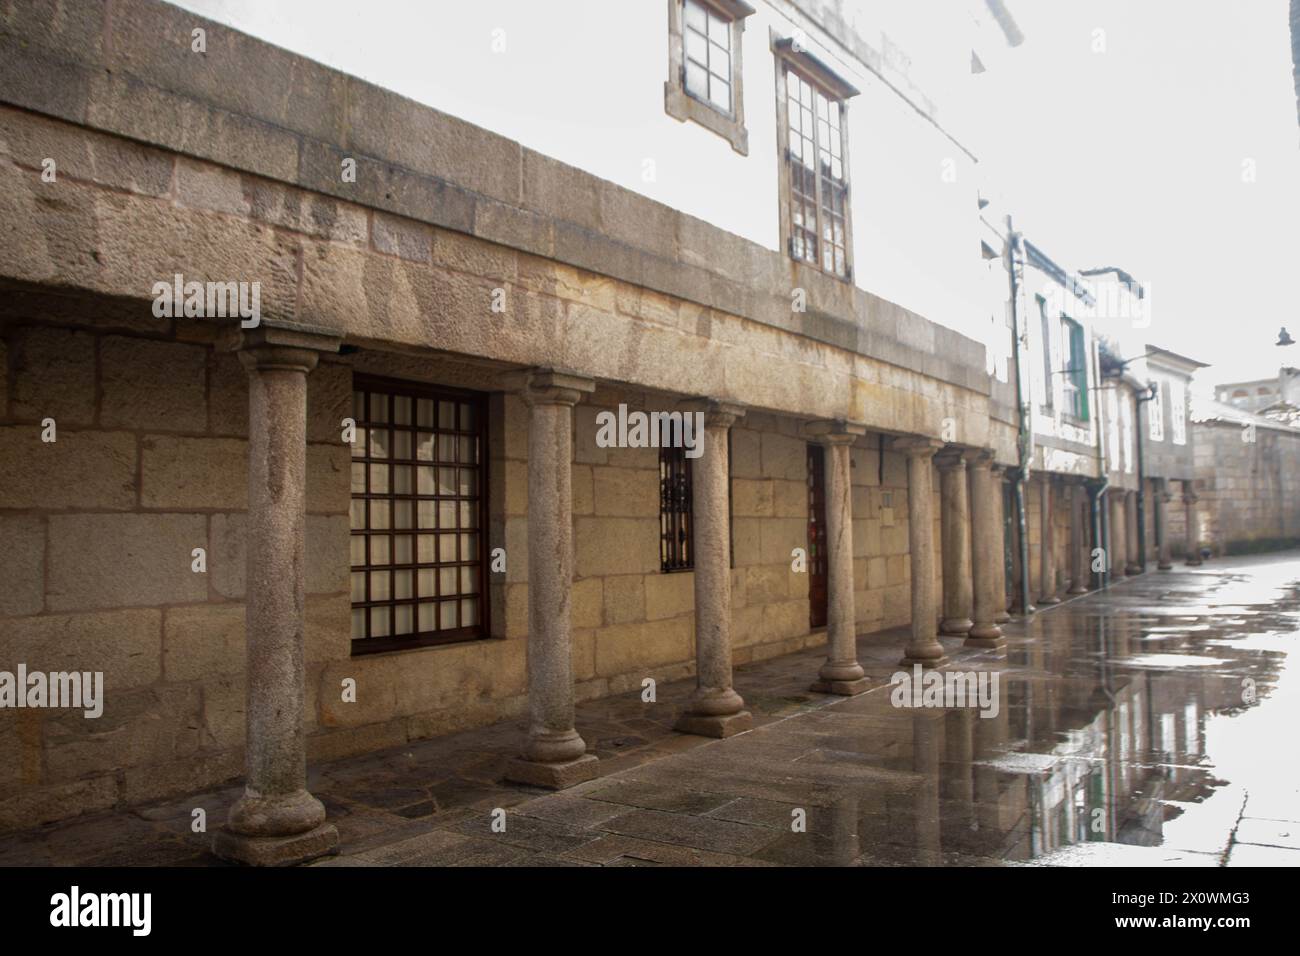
981,458
275,347
718,412
549,386
952,457
1191,499
827,431
914,446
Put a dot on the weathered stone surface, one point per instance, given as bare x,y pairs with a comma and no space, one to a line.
81,154
126,645
202,640
624,599
54,377
79,470
404,238
193,473
668,595
219,189
625,648
138,727
616,546
100,561
153,385
22,565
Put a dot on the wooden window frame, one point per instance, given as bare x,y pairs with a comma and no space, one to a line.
1048,406
676,511
1156,412
417,639
790,56
684,106
1076,411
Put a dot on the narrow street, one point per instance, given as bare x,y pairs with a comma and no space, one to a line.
1149,725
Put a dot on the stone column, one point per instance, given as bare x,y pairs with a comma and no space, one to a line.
1079,563
1193,536
554,755
1163,553
276,821
1002,614
986,552
1131,549
841,674
1118,536
1047,560
923,648
715,709
954,516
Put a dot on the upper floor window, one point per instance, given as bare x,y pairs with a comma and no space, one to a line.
812,123
704,66
418,508
1178,413
1049,379
1156,412
1074,371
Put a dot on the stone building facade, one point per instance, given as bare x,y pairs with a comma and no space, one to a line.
1247,469
382,510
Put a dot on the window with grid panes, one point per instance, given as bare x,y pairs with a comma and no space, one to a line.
706,38
818,175
418,562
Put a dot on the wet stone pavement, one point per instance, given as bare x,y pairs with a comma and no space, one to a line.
1153,724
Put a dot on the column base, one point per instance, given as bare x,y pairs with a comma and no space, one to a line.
1048,600
844,688
553,776
714,725
1164,566
1002,617
1133,570
927,656
1194,564
1078,589
956,627
986,641
276,851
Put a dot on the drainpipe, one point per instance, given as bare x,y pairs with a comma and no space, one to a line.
1022,433
1100,518
1141,399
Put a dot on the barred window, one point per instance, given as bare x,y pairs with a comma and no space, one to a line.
676,544
418,509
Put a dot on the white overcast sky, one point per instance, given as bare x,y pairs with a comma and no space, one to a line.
1136,156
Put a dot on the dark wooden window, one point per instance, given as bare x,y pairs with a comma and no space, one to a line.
819,178
419,506
1075,370
676,527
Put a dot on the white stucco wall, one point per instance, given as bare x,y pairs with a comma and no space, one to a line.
582,81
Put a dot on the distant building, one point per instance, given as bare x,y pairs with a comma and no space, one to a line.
1260,394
